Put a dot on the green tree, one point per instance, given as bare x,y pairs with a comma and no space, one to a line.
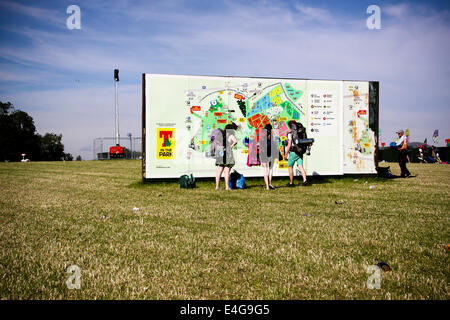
52,148
128,155
17,134
5,108
79,158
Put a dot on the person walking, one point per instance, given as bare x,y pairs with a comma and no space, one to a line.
402,146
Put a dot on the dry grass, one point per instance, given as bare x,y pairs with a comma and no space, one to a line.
291,243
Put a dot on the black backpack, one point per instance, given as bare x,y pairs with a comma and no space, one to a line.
187,182
298,133
385,172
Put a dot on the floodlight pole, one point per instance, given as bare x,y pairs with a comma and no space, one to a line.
131,145
116,80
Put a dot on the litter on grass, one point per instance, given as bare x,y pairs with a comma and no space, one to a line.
384,266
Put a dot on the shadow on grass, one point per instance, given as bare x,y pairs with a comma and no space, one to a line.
156,182
258,182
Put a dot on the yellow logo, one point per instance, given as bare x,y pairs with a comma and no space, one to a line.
165,143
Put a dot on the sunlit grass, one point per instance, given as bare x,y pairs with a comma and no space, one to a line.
290,243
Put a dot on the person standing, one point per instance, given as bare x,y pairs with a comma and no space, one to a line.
402,146
269,152
293,153
225,159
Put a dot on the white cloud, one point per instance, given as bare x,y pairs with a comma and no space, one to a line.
312,13
408,56
397,10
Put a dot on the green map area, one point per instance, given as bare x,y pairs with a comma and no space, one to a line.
275,104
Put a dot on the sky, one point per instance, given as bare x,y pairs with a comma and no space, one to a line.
64,77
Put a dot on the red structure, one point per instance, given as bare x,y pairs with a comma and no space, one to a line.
116,152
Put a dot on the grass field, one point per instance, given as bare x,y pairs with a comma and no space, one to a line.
290,243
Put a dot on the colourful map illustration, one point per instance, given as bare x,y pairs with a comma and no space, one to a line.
251,107
360,145
182,111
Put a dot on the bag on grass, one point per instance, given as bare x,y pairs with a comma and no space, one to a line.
385,172
187,182
237,181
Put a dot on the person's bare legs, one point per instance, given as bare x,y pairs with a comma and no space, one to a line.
266,178
291,174
218,175
226,174
302,170
270,173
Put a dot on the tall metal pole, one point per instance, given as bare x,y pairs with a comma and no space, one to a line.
116,80
117,116
131,146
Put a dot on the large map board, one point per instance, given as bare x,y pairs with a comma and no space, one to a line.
180,112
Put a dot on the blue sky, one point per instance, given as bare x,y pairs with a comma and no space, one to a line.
64,78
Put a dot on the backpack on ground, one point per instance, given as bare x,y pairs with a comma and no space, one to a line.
187,182
385,172
237,181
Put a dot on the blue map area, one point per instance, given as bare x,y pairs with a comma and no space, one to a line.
260,105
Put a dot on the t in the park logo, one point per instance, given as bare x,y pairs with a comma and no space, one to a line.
165,143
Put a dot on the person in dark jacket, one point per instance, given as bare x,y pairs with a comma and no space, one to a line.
402,146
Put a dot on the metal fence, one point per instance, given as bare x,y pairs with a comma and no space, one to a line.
390,155
132,145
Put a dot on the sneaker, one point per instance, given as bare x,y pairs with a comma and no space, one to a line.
305,183
291,185
271,187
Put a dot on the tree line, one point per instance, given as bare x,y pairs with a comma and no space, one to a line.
18,135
